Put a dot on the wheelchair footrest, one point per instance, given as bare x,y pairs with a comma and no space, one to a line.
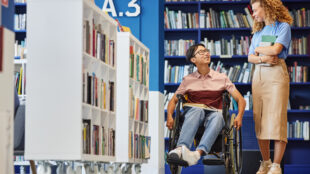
213,162
176,161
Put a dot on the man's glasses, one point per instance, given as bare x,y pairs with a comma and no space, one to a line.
202,52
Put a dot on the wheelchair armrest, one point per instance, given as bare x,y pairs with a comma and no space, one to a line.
226,105
226,98
181,98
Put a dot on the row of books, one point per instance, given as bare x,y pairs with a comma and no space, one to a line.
20,81
179,19
301,17
298,73
167,97
20,22
236,73
177,47
228,46
139,69
20,49
139,108
299,46
97,44
139,146
97,92
225,19
223,47
307,107
98,140
175,74
248,99
298,129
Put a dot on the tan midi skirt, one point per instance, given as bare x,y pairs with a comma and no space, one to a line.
270,89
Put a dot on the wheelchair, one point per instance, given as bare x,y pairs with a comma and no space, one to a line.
227,149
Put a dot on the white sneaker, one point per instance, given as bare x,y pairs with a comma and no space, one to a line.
191,157
176,153
264,167
275,169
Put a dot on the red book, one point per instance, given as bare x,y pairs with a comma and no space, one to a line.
250,9
94,39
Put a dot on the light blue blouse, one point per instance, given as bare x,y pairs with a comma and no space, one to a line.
280,29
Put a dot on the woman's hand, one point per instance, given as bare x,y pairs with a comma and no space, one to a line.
273,60
169,123
257,51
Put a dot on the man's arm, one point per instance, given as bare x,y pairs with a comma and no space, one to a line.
241,107
170,110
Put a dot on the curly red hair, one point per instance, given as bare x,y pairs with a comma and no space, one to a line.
274,11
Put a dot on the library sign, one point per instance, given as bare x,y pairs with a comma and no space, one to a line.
108,6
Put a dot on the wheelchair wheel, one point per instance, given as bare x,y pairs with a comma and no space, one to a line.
238,150
175,169
228,168
230,159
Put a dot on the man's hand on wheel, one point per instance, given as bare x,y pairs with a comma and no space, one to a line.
169,122
238,122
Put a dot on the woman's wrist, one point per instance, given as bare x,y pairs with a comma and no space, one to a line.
260,59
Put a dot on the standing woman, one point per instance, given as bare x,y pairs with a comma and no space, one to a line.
270,84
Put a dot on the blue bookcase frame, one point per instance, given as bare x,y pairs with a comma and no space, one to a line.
295,158
20,8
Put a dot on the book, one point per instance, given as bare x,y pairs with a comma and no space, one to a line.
203,106
267,40
1,48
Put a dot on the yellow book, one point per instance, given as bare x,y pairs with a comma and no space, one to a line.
20,81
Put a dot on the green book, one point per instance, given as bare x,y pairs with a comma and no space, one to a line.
267,40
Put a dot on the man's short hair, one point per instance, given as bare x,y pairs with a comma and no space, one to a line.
191,50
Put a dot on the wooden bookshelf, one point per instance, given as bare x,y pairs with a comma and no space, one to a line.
132,97
71,77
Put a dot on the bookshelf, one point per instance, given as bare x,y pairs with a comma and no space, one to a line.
133,99
299,95
20,50
71,77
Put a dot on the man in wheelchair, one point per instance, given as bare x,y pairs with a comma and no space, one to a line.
204,89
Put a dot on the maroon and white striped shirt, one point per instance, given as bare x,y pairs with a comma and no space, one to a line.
206,89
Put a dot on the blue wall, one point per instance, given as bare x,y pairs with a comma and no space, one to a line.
7,16
148,28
